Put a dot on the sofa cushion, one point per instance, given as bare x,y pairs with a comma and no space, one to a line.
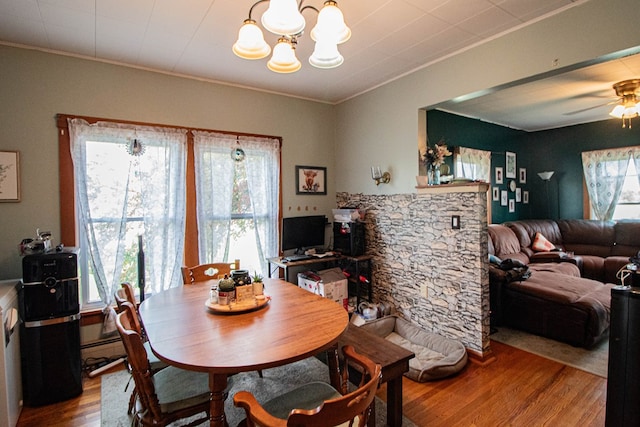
593,267
505,243
627,239
612,265
541,244
566,268
588,237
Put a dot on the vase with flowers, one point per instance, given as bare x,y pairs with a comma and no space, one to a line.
433,157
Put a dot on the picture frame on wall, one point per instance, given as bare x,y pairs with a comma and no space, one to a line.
525,197
499,176
504,197
9,176
518,195
523,175
510,165
512,205
496,194
311,180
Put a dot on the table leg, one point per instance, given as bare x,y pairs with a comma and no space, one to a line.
217,385
394,402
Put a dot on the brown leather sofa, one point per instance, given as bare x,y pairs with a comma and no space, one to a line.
566,298
601,248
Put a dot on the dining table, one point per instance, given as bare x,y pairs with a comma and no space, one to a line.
185,332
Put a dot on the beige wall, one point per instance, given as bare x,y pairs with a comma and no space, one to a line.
35,86
381,127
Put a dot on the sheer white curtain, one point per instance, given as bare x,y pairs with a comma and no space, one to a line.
215,171
604,174
473,164
109,179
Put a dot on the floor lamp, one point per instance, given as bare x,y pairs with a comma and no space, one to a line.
546,177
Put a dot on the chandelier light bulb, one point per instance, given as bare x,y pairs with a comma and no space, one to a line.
284,58
331,24
251,44
283,18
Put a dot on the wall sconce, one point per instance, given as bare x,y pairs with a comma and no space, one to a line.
380,177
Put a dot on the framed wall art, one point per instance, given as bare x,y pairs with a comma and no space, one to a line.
510,165
499,178
311,180
9,176
523,175
496,194
525,197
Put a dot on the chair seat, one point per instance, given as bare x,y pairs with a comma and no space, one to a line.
178,388
308,396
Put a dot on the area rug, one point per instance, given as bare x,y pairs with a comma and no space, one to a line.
594,360
275,381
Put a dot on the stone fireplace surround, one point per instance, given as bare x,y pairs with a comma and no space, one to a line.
435,276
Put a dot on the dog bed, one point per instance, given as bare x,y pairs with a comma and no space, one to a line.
436,356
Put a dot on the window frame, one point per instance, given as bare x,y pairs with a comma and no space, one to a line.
69,234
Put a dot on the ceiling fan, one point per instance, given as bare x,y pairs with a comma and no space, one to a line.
626,98
628,108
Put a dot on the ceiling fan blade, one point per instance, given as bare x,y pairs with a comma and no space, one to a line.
590,108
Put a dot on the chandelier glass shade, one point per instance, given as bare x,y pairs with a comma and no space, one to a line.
284,18
629,106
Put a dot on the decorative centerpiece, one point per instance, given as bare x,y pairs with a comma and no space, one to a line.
433,157
237,294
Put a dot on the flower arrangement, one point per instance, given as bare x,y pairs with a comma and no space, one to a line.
434,156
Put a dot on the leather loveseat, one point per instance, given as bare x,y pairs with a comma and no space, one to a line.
566,298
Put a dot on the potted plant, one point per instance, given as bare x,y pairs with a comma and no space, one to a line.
258,284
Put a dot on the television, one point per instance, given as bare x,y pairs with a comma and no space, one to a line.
303,232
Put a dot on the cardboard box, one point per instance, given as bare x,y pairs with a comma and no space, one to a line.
332,285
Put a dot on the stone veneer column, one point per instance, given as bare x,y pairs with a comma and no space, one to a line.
433,275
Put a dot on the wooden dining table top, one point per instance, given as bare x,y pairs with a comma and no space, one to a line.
294,325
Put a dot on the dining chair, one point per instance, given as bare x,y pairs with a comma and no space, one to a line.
167,395
156,364
208,271
318,404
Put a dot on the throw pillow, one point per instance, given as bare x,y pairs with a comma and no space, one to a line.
541,244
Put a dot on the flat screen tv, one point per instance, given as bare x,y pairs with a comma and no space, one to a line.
303,232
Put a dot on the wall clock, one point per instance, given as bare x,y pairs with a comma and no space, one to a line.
512,185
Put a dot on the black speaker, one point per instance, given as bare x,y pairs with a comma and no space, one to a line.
623,382
348,238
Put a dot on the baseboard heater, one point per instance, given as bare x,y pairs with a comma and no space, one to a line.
99,343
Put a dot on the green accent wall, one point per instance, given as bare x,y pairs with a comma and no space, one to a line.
557,150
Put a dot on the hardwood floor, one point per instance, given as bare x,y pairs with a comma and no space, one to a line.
517,389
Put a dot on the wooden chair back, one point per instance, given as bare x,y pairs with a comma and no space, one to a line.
149,411
125,293
352,409
203,272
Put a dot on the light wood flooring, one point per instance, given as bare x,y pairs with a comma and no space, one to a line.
517,389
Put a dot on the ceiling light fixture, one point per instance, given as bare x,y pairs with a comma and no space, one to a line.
284,19
629,106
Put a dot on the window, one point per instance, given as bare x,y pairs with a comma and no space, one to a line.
613,186
628,206
136,180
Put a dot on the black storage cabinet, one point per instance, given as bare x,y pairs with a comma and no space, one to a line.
50,328
623,382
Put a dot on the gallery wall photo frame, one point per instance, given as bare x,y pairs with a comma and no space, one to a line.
510,165
499,176
9,176
523,175
311,180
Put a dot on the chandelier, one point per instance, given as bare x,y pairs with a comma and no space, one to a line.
629,106
284,19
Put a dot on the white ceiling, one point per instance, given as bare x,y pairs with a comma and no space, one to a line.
390,38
